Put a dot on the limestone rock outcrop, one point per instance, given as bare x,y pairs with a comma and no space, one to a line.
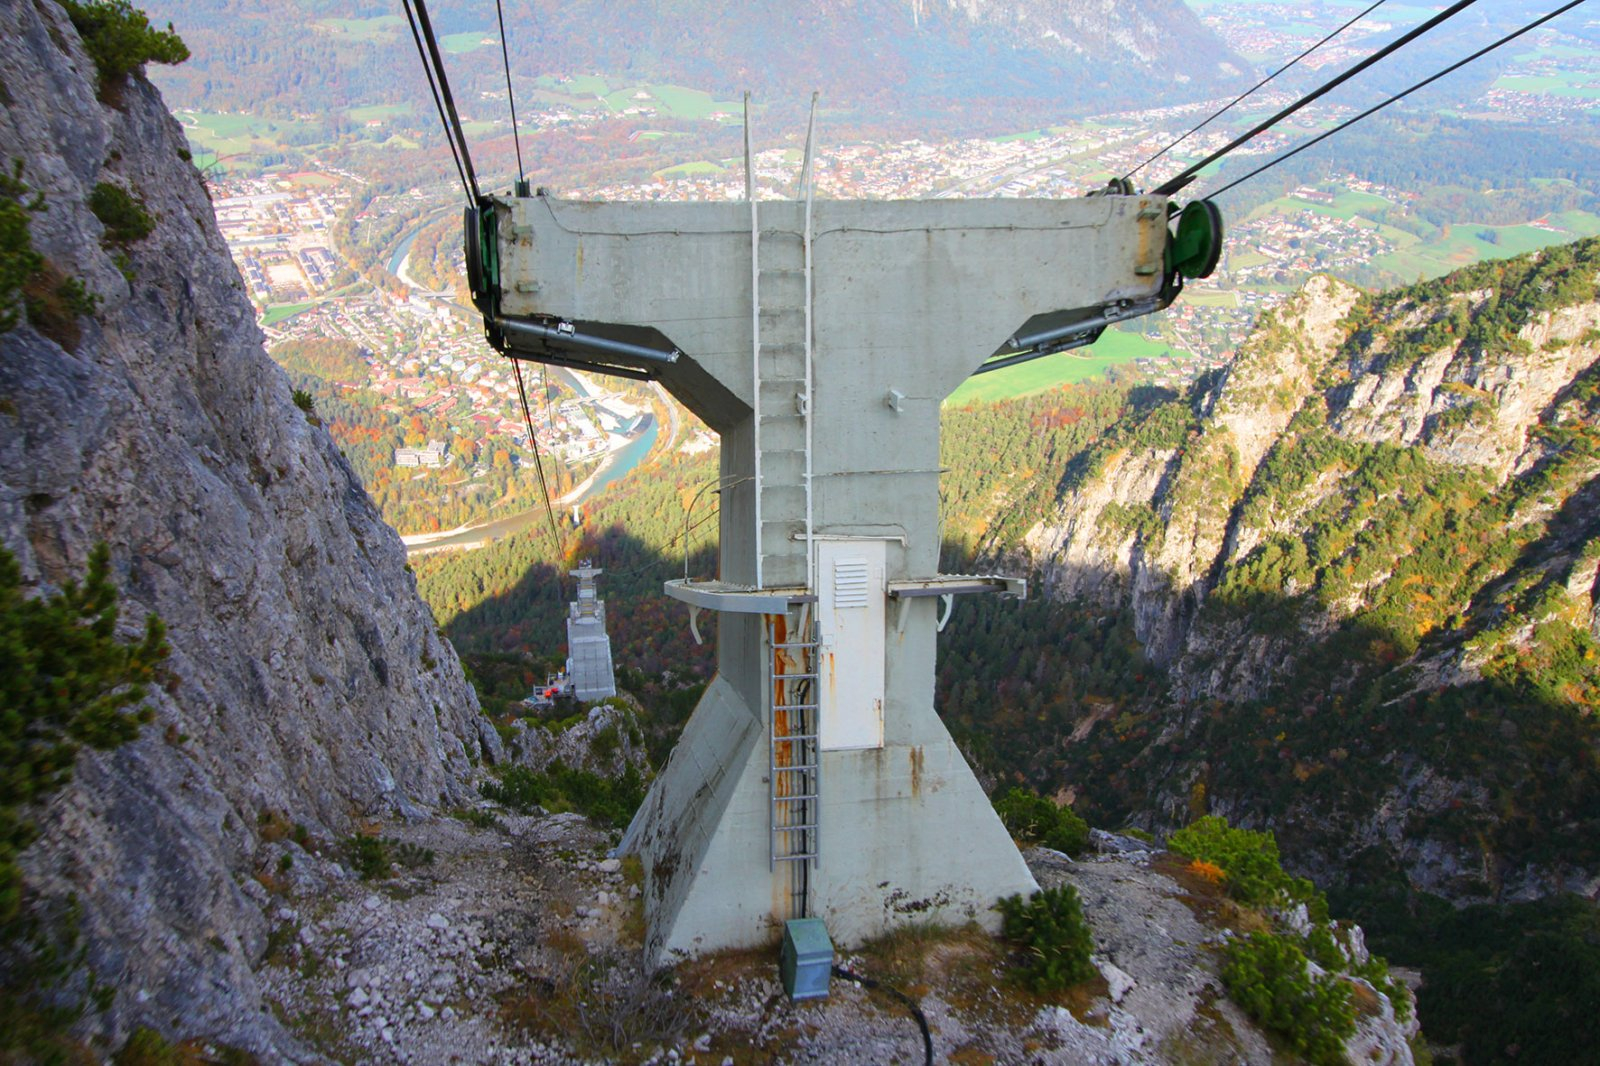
308,683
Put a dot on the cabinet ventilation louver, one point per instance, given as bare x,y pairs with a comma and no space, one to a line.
849,583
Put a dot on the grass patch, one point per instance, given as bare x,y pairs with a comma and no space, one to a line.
377,111
1114,349
689,170
1581,86
280,312
471,40
1468,243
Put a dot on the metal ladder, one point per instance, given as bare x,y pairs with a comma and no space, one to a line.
794,762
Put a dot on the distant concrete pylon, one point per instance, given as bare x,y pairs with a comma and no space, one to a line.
588,644
818,339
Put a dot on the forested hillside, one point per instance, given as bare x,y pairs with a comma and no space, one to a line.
1362,563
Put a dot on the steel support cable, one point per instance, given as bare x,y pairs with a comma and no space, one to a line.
453,119
1173,185
1251,91
505,57
533,443
427,69
1480,53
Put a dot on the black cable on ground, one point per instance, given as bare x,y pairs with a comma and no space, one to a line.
1398,96
909,1003
505,56
1250,91
1172,185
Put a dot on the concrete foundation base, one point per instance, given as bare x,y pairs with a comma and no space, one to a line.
907,836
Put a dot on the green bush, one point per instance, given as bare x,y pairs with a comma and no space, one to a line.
1035,819
1050,928
305,401
610,801
1266,975
122,214
374,857
367,856
65,682
120,39
146,1047
19,262
1250,861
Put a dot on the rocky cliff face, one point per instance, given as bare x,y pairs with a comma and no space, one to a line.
1365,553
308,683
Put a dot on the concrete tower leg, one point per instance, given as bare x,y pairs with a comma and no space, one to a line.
914,838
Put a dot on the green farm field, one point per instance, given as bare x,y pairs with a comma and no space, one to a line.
1114,349
689,170
217,136
1581,85
276,313
1464,244
471,40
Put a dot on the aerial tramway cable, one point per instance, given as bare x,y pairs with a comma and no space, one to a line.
439,84
538,463
1250,91
448,113
1173,185
505,57
427,69
1398,96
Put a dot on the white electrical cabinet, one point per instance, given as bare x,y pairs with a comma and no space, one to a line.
851,602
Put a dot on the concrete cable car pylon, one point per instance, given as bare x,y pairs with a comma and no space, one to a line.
818,338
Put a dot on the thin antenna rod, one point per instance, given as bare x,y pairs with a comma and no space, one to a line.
755,315
808,184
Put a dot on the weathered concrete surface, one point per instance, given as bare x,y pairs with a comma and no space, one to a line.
902,301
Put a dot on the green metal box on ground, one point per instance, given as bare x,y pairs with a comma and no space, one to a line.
807,958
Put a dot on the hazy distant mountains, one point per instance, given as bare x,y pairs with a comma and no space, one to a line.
943,62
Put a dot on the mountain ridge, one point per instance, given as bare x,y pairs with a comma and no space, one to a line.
937,61
1384,504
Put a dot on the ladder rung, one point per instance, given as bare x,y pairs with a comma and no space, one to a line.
796,707
793,738
799,644
795,677
808,827
796,799
794,769
801,856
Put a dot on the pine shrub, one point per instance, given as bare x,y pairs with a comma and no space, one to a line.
122,214
1050,928
65,682
1268,976
120,39
1249,862
1034,819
